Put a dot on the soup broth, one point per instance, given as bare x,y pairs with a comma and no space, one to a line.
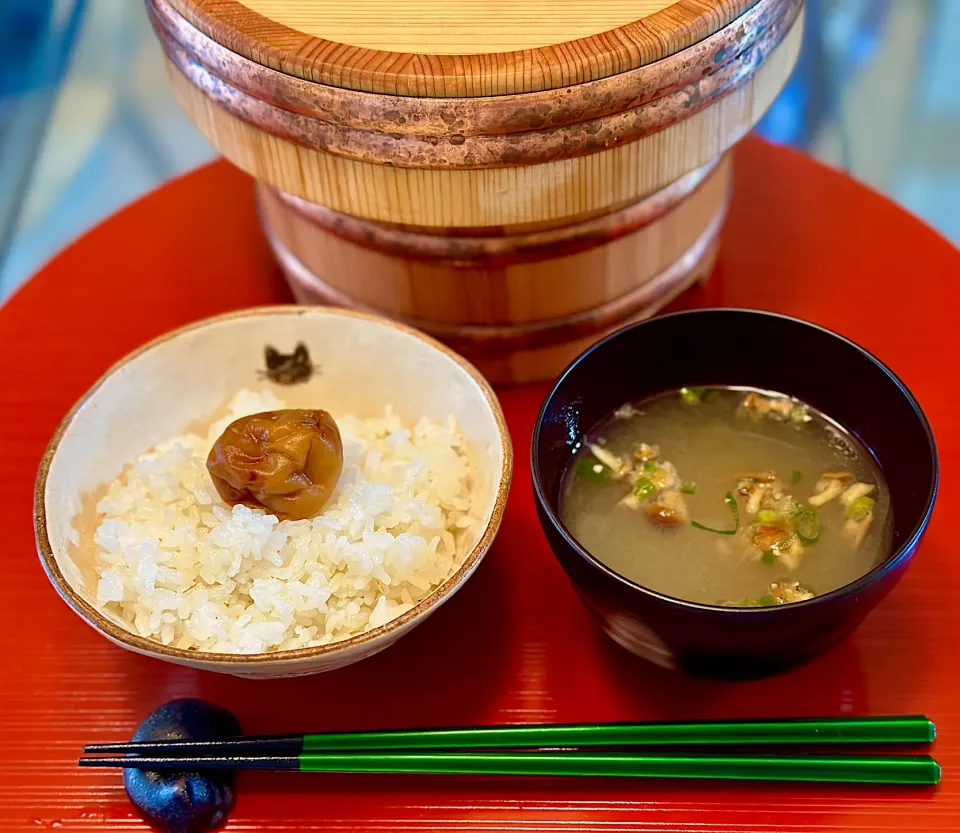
728,496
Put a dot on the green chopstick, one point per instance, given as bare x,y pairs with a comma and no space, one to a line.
831,730
840,730
880,769
863,769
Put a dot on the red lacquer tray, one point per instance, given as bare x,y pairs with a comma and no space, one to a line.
515,645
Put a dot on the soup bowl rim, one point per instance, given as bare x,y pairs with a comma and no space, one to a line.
891,561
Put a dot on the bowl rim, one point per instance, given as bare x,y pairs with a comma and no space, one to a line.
898,556
142,644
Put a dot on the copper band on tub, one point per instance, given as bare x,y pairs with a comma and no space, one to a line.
476,133
492,340
501,250
472,116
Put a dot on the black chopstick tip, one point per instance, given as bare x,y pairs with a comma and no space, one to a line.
97,762
235,745
193,763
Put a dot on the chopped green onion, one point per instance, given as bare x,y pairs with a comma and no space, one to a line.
590,469
643,488
763,601
860,508
692,396
768,558
767,516
688,488
732,501
808,526
795,477
650,466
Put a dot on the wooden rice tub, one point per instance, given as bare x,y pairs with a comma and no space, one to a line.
515,178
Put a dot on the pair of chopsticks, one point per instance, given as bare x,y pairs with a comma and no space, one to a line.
557,750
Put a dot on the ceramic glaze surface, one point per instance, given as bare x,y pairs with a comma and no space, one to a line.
194,372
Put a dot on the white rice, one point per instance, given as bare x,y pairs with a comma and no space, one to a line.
179,565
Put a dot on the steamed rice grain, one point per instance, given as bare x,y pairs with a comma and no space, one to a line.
178,565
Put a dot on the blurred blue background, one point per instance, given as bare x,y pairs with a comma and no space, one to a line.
88,121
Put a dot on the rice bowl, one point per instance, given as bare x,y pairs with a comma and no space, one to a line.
138,542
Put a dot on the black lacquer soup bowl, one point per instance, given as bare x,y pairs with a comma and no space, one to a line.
713,348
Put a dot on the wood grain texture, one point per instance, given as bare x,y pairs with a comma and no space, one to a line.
513,354
547,192
455,27
505,246
538,127
427,117
427,62
800,239
520,306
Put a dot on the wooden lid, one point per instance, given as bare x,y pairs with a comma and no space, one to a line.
538,158
457,48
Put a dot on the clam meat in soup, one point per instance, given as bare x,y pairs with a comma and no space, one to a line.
728,496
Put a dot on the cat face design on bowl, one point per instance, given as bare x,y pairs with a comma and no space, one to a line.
288,369
631,633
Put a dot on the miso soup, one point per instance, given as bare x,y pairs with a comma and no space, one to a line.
728,496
